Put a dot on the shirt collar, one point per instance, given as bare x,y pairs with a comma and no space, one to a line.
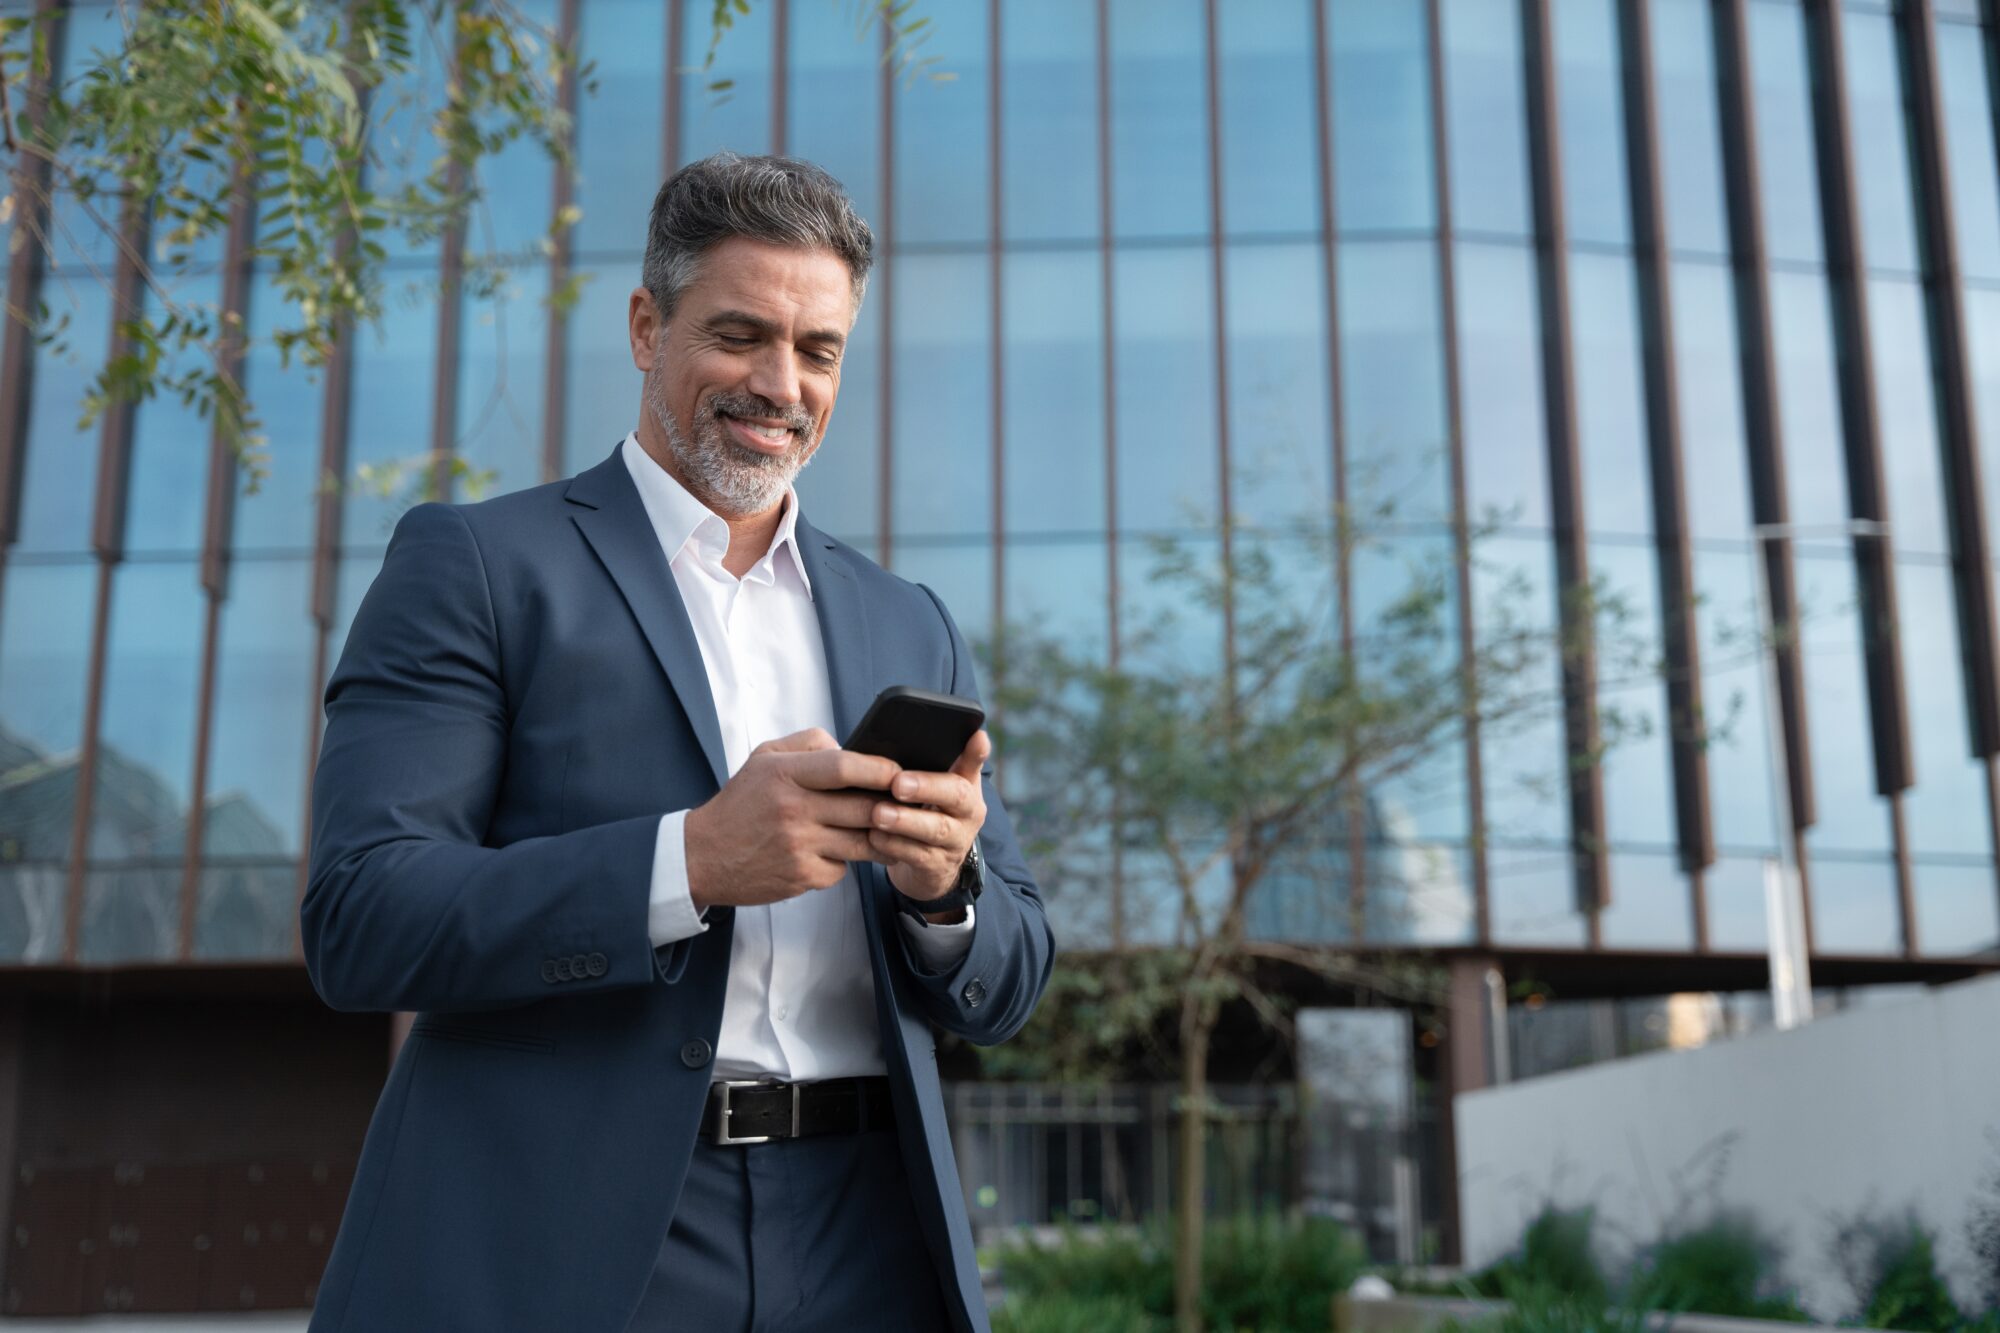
679,519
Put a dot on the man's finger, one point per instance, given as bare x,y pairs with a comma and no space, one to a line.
812,738
973,757
843,845
893,849
832,770
949,792
844,809
927,826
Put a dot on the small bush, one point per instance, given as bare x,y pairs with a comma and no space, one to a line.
1556,1258
1070,1314
1909,1294
1092,1266
1719,1269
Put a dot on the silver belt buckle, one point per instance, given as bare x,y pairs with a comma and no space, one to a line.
728,1086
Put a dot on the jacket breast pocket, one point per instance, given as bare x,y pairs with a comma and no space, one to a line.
477,1034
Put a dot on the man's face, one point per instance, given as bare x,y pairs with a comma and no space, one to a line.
741,380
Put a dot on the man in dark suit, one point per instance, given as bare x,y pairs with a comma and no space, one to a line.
675,955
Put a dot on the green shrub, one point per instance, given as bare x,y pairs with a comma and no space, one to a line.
1556,1259
1719,1269
1067,1314
1262,1273
1908,1293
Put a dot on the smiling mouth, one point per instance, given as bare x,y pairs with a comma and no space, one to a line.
759,436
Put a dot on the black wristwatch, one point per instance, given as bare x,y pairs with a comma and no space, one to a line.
971,883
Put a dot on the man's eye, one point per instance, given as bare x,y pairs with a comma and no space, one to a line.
736,339
824,358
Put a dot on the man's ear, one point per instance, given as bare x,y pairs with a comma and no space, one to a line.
643,325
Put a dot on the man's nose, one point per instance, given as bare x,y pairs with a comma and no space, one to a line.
775,377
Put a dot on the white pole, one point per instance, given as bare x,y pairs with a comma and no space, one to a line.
1784,902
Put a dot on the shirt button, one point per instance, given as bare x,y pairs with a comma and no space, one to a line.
695,1053
974,993
781,1011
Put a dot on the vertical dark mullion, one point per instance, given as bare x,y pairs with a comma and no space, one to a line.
1219,293
885,234
1674,564
1965,492
1106,217
670,137
1579,656
1455,447
1762,425
217,534
31,185
107,540
780,72
451,323
996,330
555,364
1343,574
1867,489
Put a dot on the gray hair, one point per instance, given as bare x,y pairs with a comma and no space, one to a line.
778,199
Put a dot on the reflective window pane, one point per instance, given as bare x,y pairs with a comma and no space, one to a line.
1907,413
960,572
1169,462
1878,119
1048,100
729,104
1486,102
1945,810
841,487
941,140
1958,908
943,469
1596,193
603,391
1426,800
1270,175
59,474
1782,87
1159,118
1967,90
1280,438
1610,395
1854,906
281,513
1686,95
388,444
517,184
1500,365
501,370
1053,368
1061,590
1392,381
1381,96
1808,398
836,90
619,129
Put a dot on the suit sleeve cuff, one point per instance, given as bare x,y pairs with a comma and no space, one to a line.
670,911
938,948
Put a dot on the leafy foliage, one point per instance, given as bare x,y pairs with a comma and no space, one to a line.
1909,1293
1557,1260
1722,1268
1263,1273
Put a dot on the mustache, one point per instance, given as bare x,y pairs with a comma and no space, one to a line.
756,405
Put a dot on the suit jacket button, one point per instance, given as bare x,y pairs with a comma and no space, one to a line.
597,966
549,971
562,969
579,967
974,993
695,1053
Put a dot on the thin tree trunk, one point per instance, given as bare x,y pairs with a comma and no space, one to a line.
1197,1025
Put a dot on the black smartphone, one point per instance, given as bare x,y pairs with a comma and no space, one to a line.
919,729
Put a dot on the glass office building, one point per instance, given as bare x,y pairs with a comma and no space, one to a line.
1657,295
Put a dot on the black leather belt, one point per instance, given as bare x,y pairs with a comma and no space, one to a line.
757,1112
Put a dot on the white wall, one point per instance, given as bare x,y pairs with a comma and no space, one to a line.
1872,1112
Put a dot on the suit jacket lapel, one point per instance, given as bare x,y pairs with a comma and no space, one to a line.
613,520
843,626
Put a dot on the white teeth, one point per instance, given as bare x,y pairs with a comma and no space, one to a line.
772,433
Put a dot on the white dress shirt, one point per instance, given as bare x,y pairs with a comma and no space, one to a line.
800,1003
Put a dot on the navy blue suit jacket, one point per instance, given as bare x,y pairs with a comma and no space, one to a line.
520,699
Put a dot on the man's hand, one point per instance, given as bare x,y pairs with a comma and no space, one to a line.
924,848
786,823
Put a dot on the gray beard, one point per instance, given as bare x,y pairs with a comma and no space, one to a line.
733,481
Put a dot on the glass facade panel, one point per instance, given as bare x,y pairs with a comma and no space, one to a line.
1967,90
838,490
59,478
729,105
388,446
834,101
1782,97
1854,905
1690,132
942,473
604,386
1159,119
1053,368
280,515
1270,171
1808,393
1392,381
1500,365
1982,332
1596,194
1878,119
1945,810
517,184
1958,908
1048,108
1734,887
620,129
1169,460
500,385
942,186
1060,589
1486,105
1280,434
1381,97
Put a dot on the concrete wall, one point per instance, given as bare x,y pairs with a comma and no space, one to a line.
1873,1113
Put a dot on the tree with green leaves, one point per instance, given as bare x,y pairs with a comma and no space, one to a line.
1233,760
